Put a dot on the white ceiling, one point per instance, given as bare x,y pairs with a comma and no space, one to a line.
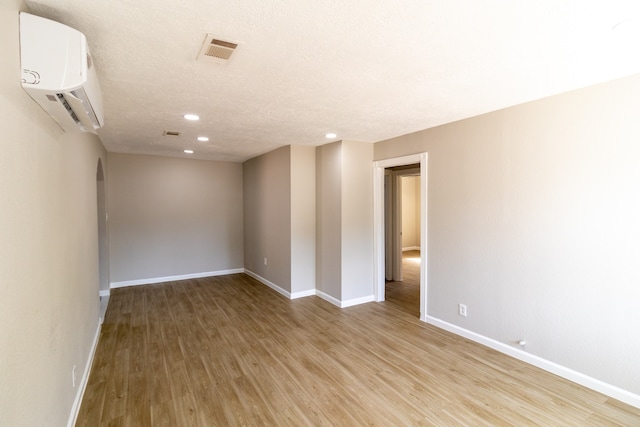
367,70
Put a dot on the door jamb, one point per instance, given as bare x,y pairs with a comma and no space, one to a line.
378,224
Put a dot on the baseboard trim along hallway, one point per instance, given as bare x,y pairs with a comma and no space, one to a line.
82,386
153,280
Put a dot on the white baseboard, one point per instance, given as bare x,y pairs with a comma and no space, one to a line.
84,380
411,248
104,293
356,301
272,285
344,304
329,298
174,278
278,289
562,371
302,294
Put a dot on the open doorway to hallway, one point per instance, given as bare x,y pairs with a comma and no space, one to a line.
402,237
380,217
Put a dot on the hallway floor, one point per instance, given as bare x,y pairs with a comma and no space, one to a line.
405,295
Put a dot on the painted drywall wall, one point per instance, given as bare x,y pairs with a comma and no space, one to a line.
49,304
344,194
533,224
357,220
280,219
267,225
410,212
329,220
303,219
173,217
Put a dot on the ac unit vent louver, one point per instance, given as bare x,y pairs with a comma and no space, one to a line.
217,50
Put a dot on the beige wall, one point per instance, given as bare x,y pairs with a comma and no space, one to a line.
280,220
357,220
310,210
329,219
267,225
533,224
173,217
49,304
345,220
410,211
303,218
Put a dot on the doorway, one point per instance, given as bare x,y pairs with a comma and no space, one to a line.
402,216
103,250
381,233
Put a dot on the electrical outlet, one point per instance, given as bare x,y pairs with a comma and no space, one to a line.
462,310
265,260
73,376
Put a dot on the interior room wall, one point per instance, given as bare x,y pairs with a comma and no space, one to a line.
280,219
344,222
410,212
533,224
357,221
267,225
303,219
416,207
329,220
173,217
49,305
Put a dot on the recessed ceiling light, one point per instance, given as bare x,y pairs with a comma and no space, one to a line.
188,151
330,135
203,138
192,117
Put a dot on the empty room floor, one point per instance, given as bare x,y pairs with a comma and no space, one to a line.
227,351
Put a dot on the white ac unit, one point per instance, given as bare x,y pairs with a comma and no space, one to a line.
58,73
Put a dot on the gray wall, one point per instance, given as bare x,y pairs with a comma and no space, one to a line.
172,217
303,218
410,211
267,225
49,304
344,266
280,218
329,219
357,220
533,224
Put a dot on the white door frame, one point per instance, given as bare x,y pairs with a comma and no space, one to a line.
378,224
396,227
388,226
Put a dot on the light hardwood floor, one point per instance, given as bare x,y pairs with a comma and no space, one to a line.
228,351
405,295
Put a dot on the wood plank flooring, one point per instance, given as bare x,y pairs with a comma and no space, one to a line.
229,351
406,294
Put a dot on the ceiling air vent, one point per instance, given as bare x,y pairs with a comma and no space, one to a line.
217,50
170,133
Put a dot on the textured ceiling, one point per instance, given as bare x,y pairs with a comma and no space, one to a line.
366,70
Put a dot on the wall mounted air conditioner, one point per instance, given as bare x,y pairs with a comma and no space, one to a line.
58,73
